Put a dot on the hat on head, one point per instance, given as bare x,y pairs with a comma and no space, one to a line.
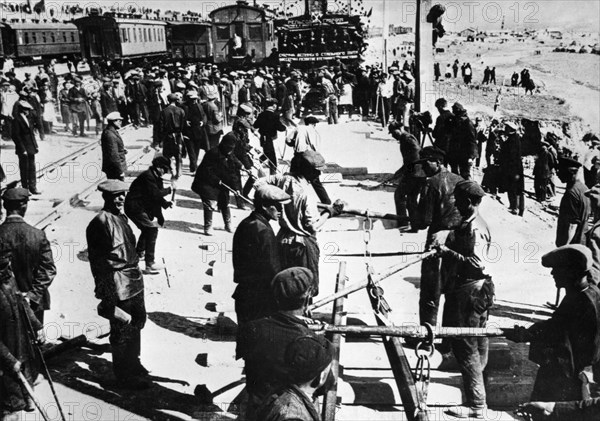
469,187
565,162
233,74
510,127
172,97
245,110
192,94
432,153
576,256
307,357
593,192
314,159
292,283
193,84
228,142
5,83
311,119
113,186
162,162
16,194
180,85
407,75
268,194
115,115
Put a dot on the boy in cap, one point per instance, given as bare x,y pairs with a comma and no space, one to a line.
256,255
32,261
469,294
566,345
119,283
26,146
144,203
309,359
16,351
262,343
114,161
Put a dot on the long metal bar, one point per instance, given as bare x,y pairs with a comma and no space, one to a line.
365,213
413,331
392,270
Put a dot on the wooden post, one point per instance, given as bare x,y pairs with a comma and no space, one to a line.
337,317
424,89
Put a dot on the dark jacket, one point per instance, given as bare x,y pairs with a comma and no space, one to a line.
255,263
23,136
268,124
289,404
113,258
32,261
463,143
14,343
195,122
437,209
136,92
587,410
214,123
108,102
262,345
114,161
147,196
77,99
510,156
442,131
215,167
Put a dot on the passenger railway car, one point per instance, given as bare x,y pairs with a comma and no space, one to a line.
241,30
121,36
25,41
190,40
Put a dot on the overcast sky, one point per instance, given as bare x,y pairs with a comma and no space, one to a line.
484,14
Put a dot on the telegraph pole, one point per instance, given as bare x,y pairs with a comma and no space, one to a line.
424,89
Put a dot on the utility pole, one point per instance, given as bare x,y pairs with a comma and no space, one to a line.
424,89
386,31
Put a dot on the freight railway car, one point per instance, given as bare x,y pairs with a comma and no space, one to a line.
241,31
190,40
24,42
116,36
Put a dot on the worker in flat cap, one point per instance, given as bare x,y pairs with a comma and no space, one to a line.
78,102
269,124
194,133
469,292
437,213
310,360
262,343
592,236
214,116
136,95
216,175
26,146
32,260
17,355
114,154
511,168
144,205
301,218
566,345
256,255
171,123
119,283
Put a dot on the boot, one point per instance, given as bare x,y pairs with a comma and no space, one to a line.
208,217
227,220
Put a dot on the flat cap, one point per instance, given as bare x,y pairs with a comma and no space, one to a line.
292,283
510,127
576,256
180,85
162,162
593,192
192,84
233,74
313,158
245,110
192,94
113,186
307,357
267,193
470,187
115,115
311,119
172,97
407,75
16,194
432,152
565,162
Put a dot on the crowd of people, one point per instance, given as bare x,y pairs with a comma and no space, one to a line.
287,365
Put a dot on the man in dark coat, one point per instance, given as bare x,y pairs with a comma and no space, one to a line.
171,123
145,201
136,95
32,261
214,119
108,99
463,142
568,344
77,101
574,209
256,256
218,169
442,131
156,104
119,284
114,162
268,124
26,146
262,343
511,167
194,134
309,359
16,352
438,214
543,171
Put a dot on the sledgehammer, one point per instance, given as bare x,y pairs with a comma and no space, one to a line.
206,397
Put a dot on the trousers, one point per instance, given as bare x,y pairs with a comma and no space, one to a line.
125,339
27,170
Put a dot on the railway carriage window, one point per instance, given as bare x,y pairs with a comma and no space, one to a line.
72,36
223,32
33,38
124,34
128,34
26,37
145,32
44,40
64,34
140,34
52,37
134,35
155,38
255,31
